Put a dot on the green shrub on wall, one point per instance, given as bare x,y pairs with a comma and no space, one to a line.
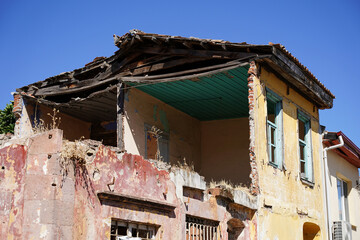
7,119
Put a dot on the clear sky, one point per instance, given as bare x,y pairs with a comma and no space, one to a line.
39,39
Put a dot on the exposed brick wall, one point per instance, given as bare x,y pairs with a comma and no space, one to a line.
254,187
17,110
37,204
17,105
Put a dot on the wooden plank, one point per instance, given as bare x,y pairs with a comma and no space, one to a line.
204,45
91,105
272,67
81,86
118,65
311,87
120,116
175,76
166,65
146,62
195,53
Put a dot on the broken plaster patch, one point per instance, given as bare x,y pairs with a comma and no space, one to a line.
43,231
10,179
45,167
96,174
37,220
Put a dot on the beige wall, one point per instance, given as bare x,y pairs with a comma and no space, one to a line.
340,168
184,139
73,128
218,149
225,150
291,201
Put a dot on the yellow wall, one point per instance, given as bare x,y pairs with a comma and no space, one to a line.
340,168
292,202
225,150
218,149
184,139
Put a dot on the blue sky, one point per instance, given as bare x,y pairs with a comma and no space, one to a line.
39,39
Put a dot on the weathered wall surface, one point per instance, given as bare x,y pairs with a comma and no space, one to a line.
73,128
40,202
12,160
225,150
208,145
48,198
287,201
184,139
342,169
131,175
4,138
32,198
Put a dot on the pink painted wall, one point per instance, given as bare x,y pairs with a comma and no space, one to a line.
42,206
12,160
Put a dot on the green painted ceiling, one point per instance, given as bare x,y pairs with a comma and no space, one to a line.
219,96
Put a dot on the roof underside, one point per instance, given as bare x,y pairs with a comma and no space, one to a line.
148,58
349,151
223,95
219,96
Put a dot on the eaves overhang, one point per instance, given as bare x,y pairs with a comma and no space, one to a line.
146,56
284,64
288,71
349,151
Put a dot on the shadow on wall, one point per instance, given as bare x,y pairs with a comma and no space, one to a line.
311,231
133,207
218,149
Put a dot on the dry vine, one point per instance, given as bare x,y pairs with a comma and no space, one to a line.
40,126
157,135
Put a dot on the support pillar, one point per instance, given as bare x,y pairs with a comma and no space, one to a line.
120,116
252,74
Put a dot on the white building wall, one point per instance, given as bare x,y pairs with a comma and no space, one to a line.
340,168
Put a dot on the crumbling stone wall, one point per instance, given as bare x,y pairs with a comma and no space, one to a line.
34,203
12,160
41,201
254,173
4,138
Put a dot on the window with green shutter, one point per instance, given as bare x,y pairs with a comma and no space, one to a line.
305,151
274,129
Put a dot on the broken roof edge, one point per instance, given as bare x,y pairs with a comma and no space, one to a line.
80,79
129,38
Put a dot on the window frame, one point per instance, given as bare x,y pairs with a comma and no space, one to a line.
197,227
131,227
277,160
343,199
308,174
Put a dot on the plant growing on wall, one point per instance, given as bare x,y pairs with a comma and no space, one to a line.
7,119
157,134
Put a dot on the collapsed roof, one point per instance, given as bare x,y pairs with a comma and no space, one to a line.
145,58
